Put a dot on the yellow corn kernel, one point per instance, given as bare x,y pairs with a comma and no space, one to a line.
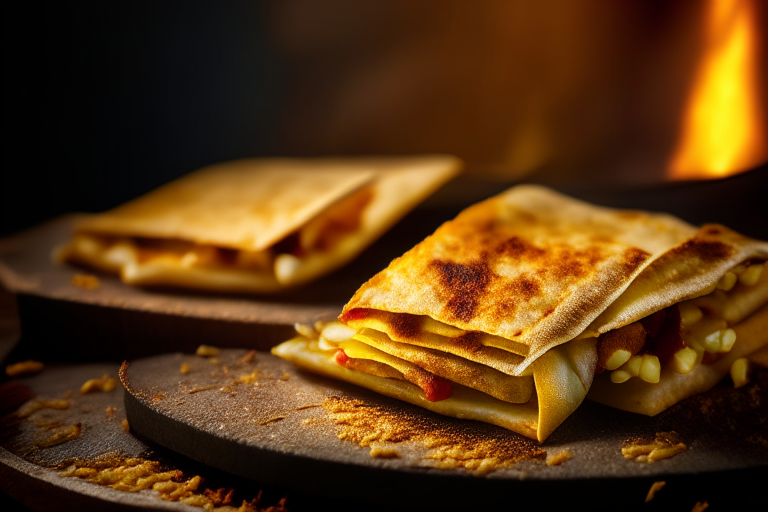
739,269
336,332
727,339
751,276
727,282
684,360
633,365
305,330
740,372
713,342
698,348
617,359
650,369
689,313
619,376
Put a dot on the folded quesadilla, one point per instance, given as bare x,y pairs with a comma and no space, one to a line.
257,225
512,311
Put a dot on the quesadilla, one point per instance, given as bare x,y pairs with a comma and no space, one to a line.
256,225
510,311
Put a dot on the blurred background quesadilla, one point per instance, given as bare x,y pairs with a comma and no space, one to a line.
256,225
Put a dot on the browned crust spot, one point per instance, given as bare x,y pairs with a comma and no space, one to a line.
405,326
465,283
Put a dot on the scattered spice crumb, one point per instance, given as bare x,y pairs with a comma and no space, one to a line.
24,368
203,388
655,487
449,445
105,383
207,351
378,452
61,436
308,406
33,407
214,360
271,420
111,412
248,358
665,445
185,368
126,426
136,474
249,378
86,281
226,389
558,458
285,375
700,507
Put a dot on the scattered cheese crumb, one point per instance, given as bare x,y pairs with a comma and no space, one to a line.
86,281
558,458
207,351
24,368
655,487
185,368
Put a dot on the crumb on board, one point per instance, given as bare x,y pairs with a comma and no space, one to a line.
248,358
61,436
24,368
185,368
664,446
201,388
700,507
111,412
207,351
556,459
448,447
655,487
126,426
86,281
138,474
105,384
378,452
36,405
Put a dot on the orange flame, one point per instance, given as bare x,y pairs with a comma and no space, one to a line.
723,127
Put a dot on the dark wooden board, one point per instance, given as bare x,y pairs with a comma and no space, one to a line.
235,430
31,474
139,322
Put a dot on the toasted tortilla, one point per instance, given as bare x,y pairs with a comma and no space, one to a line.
247,211
524,283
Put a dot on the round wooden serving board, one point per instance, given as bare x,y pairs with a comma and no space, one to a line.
282,428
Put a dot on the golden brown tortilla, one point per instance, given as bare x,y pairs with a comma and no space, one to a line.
522,285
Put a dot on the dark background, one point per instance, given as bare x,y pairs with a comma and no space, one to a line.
103,101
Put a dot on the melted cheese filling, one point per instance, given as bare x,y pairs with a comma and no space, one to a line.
151,261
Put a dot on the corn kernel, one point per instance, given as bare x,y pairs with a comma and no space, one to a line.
617,359
650,369
619,376
727,339
305,330
286,266
740,372
684,360
727,282
324,344
751,276
337,332
689,313
633,365
713,341
739,269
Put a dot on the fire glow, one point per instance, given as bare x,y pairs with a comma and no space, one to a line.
723,129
